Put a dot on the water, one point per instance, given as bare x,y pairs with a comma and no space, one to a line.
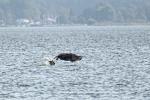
115,64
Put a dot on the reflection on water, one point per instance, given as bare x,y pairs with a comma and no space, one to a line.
115,64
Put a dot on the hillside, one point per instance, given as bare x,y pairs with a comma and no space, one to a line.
76,11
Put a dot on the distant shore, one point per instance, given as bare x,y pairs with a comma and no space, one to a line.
101,24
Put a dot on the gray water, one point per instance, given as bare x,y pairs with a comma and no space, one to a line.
115,64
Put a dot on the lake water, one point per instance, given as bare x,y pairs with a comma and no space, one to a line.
115,64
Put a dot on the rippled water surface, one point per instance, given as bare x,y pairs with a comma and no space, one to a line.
115,64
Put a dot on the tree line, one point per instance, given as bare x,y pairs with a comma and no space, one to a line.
76,11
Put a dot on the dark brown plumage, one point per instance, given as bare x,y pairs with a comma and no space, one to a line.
68,57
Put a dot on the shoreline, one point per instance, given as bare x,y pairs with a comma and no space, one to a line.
49,26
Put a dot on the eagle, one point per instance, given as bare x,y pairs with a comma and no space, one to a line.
68,57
